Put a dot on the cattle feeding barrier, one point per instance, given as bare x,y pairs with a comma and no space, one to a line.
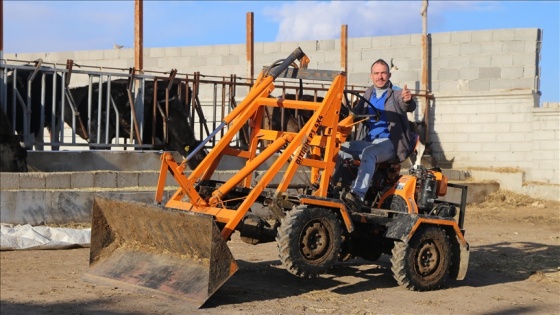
88,107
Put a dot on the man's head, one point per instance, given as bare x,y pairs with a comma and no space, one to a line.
380,73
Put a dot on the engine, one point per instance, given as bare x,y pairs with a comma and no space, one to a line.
431,184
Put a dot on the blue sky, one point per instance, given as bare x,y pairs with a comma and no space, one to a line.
48,26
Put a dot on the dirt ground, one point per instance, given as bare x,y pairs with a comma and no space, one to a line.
514,269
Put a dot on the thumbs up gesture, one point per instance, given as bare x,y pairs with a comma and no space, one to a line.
406,95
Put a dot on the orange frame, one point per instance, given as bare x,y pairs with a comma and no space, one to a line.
303,148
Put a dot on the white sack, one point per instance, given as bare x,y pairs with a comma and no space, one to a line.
42,237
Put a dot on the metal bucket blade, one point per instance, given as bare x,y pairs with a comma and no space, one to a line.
168,252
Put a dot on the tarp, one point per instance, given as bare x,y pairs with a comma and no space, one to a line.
42,237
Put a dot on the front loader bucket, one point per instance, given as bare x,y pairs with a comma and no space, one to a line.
157,250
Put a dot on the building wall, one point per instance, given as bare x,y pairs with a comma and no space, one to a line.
486,110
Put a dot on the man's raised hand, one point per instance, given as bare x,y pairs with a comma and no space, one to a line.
406,95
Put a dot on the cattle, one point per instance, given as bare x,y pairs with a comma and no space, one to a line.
30,106
29,109
13,157
105,121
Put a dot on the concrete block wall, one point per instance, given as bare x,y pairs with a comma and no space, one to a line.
485,85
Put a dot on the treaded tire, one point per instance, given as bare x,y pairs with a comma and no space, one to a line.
309,241
423,263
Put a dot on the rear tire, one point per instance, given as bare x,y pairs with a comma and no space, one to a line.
309,241
423,263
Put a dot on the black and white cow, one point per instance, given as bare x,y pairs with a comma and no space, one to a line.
170,133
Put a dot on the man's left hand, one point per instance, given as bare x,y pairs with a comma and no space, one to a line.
406,95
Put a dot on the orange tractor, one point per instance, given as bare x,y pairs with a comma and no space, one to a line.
180,249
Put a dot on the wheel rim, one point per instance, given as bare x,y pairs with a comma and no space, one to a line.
427,260
315,241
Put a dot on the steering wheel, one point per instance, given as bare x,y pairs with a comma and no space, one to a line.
347,110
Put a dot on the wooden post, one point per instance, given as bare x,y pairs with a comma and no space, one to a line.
139,35
1,29
250,42
344,50
424,83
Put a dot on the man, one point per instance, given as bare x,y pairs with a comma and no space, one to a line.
380,140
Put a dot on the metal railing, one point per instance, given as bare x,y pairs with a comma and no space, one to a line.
38,95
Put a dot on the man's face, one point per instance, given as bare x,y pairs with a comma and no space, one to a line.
379,75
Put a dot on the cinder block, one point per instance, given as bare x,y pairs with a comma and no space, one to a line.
484,36
461,37
32,181
59,180
8,205
500,84
157,52
371,54
240,49
214,61
448,74
104,179
450,49
327,45
451,86
230,60
109,54
51,56
400,40
258,47
31,206
489,73
172,52
502,60
523,59
503,35
9,181
470,49
197,61
453,174
69,206
99,54
381,42
81,180
358,43
127,179
524,83
468,73
480,60
271,48
514,47
148,179
189,51
479,85
512,72
440,38
221,50
529,34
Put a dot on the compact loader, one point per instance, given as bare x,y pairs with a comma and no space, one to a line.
180,249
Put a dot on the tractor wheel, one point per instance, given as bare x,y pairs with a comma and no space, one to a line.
423,263
309,240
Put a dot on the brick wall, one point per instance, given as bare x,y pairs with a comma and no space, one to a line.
485,84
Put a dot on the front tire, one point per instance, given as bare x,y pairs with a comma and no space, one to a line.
309,240
423,263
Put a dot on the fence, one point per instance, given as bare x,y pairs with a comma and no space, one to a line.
38,95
